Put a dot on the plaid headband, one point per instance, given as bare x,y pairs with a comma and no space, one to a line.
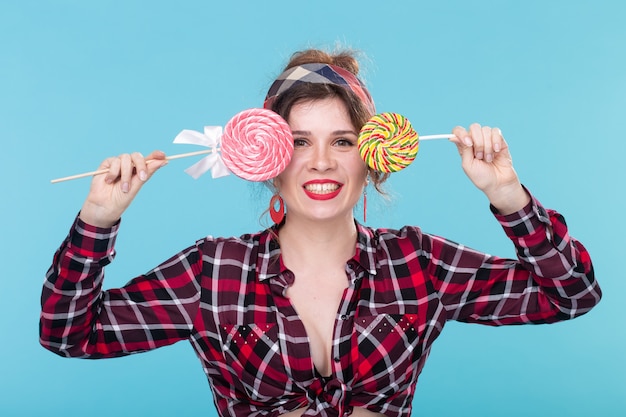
319,74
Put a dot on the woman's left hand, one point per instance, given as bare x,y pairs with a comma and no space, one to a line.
487,162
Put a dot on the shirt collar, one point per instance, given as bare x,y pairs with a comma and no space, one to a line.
366,246
270,263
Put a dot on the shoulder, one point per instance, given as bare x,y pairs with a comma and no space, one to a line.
247,239
377,239
237,246
389,234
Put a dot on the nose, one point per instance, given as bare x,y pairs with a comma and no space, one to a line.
322,159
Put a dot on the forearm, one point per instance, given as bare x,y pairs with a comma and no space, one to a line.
72,291
559,264
551,280
152,310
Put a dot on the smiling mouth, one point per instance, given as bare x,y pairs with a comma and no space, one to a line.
321,188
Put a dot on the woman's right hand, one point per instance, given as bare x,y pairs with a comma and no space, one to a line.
111,193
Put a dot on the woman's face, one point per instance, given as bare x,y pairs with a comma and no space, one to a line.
326,175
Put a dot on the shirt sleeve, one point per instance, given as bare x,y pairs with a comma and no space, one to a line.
551,280
78,319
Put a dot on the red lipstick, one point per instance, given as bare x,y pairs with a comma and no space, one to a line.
326,195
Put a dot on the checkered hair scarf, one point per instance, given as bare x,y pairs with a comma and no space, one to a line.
318,74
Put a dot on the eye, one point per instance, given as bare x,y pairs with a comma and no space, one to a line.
299,142
344,142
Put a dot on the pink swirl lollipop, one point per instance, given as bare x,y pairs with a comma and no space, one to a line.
257,144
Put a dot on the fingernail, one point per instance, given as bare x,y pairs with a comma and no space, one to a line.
467,141
479,155
489,157
143,175
496,147
125,187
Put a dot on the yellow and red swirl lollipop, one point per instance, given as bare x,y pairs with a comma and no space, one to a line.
388,142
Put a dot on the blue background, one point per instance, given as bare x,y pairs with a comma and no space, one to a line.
80,81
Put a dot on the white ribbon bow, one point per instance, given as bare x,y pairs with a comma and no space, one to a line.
211,138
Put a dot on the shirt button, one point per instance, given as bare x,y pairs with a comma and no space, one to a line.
344,317
337,359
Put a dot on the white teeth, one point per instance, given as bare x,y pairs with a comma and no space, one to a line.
321,188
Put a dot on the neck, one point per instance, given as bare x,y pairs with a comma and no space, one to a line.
304,240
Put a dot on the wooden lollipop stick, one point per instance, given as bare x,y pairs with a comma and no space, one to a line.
104,171
185,155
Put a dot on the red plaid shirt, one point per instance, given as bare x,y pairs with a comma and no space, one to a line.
226,297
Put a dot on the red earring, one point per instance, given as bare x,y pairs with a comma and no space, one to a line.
277,215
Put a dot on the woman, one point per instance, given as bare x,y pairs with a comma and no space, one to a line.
318,315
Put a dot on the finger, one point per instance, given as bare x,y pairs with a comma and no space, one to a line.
146,167
498,140
461,137
154,161
156,155
476,134
139,163
157,160
464,144
114,170
501,148
126,171
487,143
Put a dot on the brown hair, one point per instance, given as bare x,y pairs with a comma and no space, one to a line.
357,109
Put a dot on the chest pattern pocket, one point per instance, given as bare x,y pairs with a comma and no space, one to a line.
386,349
252,351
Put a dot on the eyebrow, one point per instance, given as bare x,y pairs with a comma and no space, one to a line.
335,132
